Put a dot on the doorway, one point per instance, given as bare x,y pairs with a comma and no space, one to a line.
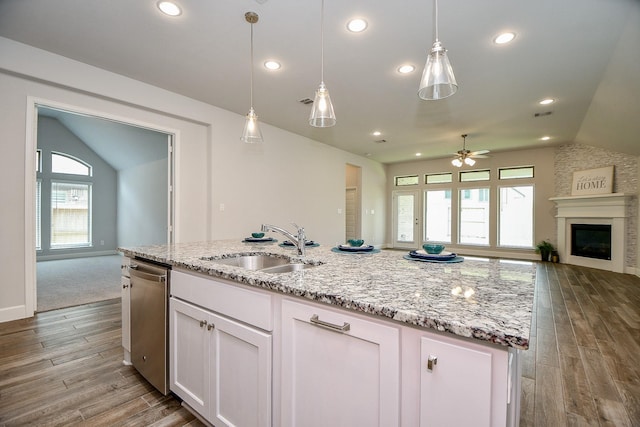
353,203
127,192
406,219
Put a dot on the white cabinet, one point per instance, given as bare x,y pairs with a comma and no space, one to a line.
220,367
454,382
338,369
125,294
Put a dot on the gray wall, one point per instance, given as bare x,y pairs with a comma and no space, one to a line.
142,202
53,136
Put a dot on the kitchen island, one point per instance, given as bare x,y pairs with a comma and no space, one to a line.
476,313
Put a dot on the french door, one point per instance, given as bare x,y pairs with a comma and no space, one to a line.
406,219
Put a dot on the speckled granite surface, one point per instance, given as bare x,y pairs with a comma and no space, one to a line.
485,299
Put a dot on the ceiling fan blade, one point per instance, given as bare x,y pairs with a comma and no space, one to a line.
479,156
479,152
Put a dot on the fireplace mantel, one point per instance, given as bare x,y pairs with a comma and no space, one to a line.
594,209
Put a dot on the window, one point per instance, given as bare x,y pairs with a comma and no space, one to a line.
405,213
70,214
513,173
474,216
516,216
468,176
437,214
406,180
38,161
438,178
62,163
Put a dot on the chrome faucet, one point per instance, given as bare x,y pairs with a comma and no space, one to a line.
299,240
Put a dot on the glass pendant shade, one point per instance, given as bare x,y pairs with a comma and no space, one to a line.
456,162
438,81
251,133
469,161
322,114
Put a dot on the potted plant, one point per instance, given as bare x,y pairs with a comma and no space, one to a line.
544,248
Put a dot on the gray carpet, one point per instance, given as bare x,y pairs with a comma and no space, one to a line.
69,282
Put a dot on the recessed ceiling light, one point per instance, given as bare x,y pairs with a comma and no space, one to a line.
169,8
357,25
418,154
545,138
547,101
504,38
272,65
377,133
406,68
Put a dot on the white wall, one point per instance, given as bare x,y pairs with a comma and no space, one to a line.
288,178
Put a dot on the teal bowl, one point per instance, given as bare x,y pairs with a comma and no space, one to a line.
355,242
433,248
257,235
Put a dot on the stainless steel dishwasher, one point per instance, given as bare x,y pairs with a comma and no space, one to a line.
149,322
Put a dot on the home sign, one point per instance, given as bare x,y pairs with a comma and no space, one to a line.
592,181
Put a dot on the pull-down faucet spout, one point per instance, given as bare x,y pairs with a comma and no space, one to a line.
298,240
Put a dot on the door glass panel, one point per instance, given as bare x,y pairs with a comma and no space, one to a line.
405,217
438,216
474,216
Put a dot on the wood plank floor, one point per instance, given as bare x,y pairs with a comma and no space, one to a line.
583,365
64,367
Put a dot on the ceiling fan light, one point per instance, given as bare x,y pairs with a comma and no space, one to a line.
456,162
438,81
469,161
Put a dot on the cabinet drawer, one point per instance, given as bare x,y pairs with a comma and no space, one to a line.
233,301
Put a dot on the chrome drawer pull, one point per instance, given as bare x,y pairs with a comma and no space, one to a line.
344,328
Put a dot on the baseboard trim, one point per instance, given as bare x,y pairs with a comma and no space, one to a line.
16,312
75,255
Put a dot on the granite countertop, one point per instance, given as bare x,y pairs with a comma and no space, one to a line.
484,299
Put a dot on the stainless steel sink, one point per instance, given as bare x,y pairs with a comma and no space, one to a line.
250,262
265,262
287,268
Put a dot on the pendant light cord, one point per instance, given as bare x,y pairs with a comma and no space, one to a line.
251,74
436,15
322,41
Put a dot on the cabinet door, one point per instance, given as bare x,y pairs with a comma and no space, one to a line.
337,369
240,374
189,350
456,387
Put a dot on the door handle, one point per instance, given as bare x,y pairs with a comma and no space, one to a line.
338,328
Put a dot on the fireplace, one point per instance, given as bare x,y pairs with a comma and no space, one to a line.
591,240
592,230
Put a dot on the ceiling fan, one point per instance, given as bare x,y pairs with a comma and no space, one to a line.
465,156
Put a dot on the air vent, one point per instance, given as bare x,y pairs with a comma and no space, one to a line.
546,113
306,101
380,141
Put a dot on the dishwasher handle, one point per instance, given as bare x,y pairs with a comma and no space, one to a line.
133,271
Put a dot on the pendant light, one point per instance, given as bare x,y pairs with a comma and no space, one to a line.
322,115
251,133
438,81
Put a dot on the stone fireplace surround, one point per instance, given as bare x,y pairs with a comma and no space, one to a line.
594,209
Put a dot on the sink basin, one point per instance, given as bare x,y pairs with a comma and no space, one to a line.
287,268
266,263
251,262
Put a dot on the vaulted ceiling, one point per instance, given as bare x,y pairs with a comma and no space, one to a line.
585,54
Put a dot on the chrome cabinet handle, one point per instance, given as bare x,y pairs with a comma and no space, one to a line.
203,323
431,362
316,321
210,326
